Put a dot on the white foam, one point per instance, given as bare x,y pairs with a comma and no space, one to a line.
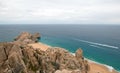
92,61
73,53
99,44
110,68
95,46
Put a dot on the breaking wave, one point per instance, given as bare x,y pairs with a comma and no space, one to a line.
110,68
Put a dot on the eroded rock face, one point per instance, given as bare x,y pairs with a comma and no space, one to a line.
10,58
18,57
26,37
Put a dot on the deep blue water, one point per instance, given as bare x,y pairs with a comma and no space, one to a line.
100,43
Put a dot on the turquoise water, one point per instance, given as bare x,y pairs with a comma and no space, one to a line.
100,43
101,54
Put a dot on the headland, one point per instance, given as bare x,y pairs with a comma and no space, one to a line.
27,55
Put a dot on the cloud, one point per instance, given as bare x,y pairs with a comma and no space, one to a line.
60,11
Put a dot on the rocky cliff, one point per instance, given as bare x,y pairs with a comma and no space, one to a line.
18,57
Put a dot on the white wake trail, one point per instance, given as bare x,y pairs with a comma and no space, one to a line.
99,44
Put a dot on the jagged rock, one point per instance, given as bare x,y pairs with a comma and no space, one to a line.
15,63
18,57
63,71
79,53
68,71
26,37
35,37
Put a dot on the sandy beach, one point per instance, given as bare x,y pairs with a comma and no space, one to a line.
99,68
94,67
40,46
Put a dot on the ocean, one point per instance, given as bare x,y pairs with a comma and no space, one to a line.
100,43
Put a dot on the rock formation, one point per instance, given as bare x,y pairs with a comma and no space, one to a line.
18,57
27,38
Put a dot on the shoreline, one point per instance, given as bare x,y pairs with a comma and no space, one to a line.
96,67
107,67
110,68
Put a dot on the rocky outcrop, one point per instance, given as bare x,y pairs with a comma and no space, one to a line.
10,58
18,57
27,38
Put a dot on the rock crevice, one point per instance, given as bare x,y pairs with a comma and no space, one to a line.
18,57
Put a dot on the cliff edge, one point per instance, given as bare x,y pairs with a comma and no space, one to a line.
19,57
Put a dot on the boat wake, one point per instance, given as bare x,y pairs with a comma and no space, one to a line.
97,44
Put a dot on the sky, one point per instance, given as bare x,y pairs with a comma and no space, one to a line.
59,11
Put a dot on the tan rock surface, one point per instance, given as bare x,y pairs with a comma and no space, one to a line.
26,55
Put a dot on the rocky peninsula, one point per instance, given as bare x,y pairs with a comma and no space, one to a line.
27,55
